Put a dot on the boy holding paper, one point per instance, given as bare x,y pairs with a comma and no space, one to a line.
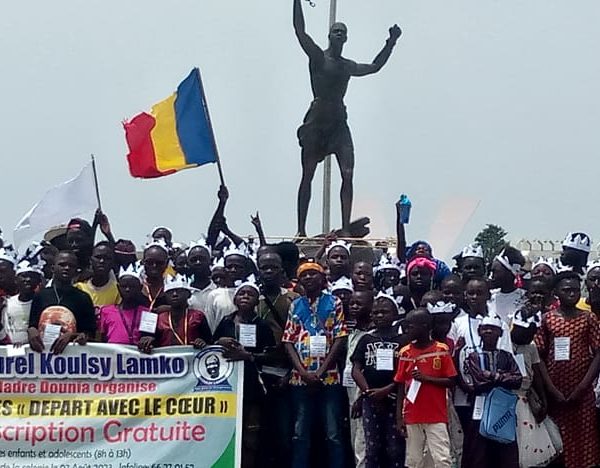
424,373
373,371
248,338
61,314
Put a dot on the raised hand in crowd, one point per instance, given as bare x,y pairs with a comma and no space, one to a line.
255,220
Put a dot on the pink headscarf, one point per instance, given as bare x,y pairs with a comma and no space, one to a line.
421,262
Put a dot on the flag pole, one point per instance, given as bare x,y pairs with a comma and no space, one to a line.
326,223
207,113
96,182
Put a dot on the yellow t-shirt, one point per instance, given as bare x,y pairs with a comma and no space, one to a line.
104,295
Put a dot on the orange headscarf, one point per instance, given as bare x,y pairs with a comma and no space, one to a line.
310,265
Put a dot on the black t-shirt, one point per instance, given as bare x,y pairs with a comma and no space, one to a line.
70,307
253,389
365,354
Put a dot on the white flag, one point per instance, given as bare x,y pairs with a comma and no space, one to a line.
72,198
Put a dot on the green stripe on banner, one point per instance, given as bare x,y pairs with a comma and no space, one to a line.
227,459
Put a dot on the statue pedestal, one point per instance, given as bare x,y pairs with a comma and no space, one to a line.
359,229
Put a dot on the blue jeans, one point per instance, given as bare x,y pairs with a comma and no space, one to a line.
324,404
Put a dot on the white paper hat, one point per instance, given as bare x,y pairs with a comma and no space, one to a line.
343,283
253,247
235,250
201,243
578,241
591,266
514,268
8,254
177,282
519,321
493,320
31,266
338,243
160,243
561,267
472,250
218,263
395,300
549,262
32,251
386,263
133,269
441,307
249,281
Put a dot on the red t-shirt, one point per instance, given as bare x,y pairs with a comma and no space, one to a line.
430,404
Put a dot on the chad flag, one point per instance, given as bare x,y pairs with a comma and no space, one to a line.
175,135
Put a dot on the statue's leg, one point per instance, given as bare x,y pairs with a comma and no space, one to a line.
345,159
309,166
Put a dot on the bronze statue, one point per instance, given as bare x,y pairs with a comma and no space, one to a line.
325,129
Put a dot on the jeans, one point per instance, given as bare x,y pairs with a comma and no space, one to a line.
324,404
276,444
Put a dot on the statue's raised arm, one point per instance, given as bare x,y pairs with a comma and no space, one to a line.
309,46
364,69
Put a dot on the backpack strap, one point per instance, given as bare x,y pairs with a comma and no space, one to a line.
273,310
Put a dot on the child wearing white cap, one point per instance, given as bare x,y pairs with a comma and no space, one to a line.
489,367
15,314
177,324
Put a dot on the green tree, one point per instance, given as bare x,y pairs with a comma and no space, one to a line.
492,241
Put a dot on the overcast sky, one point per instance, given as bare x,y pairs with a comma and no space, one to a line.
491,100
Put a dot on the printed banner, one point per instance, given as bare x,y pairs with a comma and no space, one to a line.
109,406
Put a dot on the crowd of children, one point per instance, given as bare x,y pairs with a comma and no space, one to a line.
400,363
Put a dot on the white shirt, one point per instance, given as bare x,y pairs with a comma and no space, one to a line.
15,317
455,332
505,305
466,327
199,298
219,303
